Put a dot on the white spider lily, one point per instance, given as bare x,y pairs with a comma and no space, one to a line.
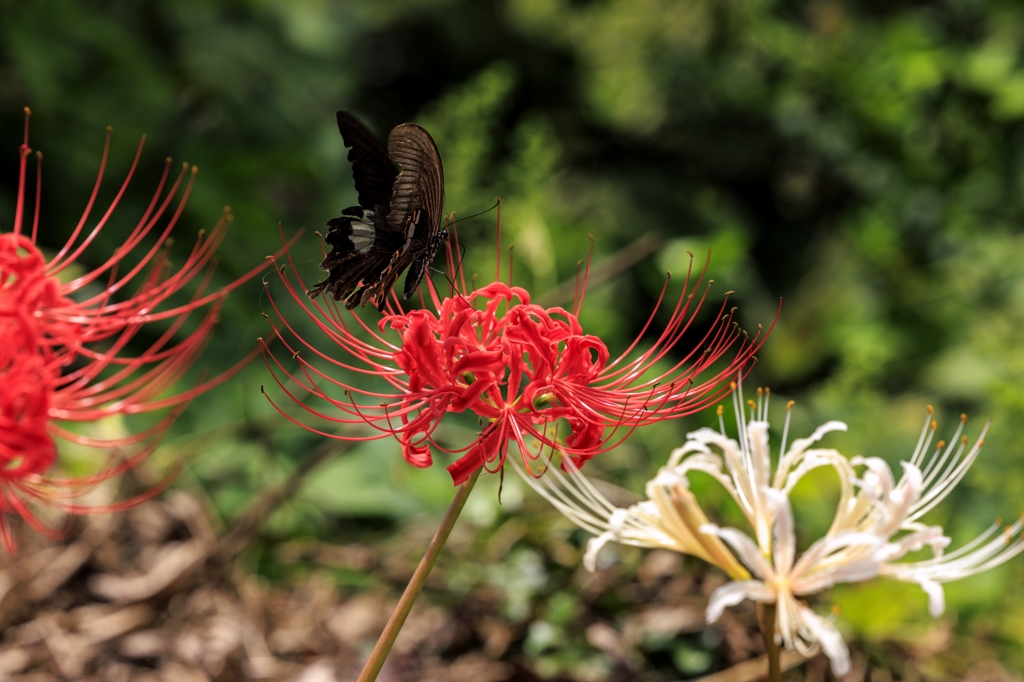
847,556
876,524
780,579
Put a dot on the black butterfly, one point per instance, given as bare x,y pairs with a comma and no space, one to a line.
397,223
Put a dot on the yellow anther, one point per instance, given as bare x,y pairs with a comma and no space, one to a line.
767,391
751,404
941,444
732,385
720,410
935,425
963,418
999,520
790,404
540,402
931,410
963,439
760,392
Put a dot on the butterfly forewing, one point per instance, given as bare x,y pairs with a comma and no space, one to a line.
420,184
372,169
416,200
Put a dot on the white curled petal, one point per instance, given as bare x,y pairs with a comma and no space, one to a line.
929,537
912,475
617,520
801,444
849,572
936,597
667,478
814,459
594,546
647,507
707,436
878,481
746,550
733,593
827,546
908,491
832,644
785,533
760,452
691,447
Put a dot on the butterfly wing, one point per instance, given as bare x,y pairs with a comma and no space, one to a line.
362,248
416,200
401,194
361,240
373,172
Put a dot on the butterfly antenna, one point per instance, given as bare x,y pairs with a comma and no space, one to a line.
497,259
451,226
497,203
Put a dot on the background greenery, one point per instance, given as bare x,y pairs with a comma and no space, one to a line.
862,160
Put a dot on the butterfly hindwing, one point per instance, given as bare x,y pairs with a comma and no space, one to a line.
421,254
360,246
398,221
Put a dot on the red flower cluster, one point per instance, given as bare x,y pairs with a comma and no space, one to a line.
523,369
64,344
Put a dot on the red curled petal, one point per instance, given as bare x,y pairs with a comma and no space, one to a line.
482,452
417,455
480,361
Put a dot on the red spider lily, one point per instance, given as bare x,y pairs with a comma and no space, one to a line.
523,369
24,408
63,344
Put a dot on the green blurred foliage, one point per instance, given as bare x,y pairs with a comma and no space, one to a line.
862,160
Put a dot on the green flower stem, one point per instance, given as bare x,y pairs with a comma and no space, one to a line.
412,590
766,619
